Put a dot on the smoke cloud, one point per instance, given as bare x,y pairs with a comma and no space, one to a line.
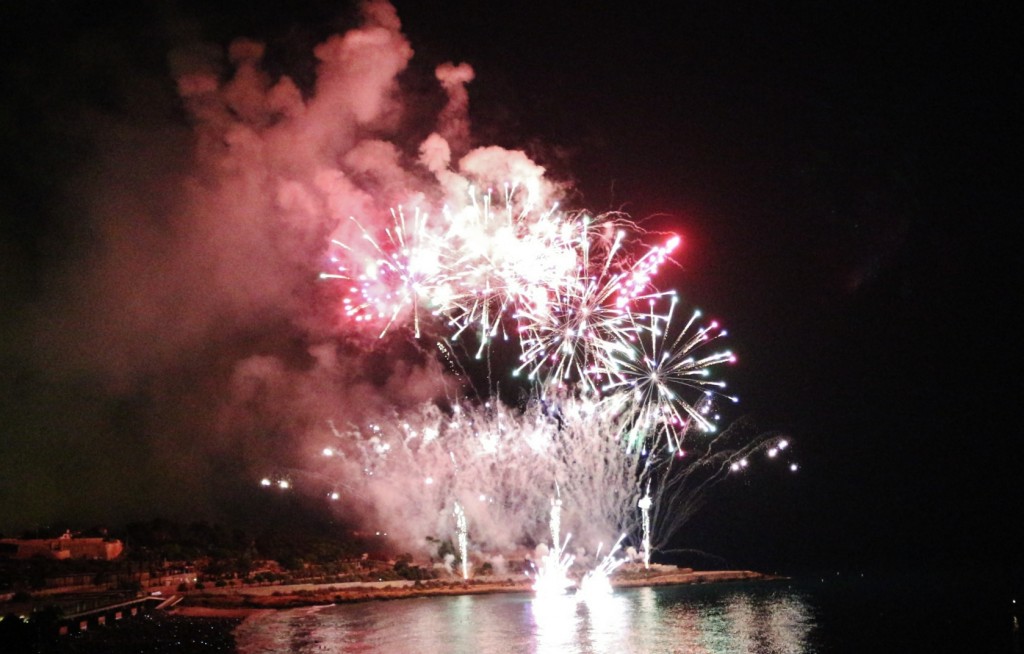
182,344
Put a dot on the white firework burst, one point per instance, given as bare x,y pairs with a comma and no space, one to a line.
666,381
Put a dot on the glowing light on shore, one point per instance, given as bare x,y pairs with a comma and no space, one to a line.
552,577
596,585
553,572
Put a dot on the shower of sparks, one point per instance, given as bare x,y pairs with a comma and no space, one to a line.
556,519
577,333
500,464
460,521
504,257
552,578
596,584
644,504
619,381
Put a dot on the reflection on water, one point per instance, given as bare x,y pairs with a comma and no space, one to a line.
761,619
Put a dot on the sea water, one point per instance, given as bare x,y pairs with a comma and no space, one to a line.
827,613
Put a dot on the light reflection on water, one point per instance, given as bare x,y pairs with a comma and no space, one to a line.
755,619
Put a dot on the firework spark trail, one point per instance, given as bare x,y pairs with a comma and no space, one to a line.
500,464
645,510
681,485
462,529
618,387
556,517
404,273
651,378
505,258
600,448
587,327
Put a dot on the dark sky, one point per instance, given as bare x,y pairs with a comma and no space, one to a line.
844,175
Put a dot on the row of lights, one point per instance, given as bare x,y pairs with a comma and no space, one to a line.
284,484
773,452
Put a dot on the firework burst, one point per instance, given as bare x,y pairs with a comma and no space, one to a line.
583,328
507,256
653,378
618,380
405,272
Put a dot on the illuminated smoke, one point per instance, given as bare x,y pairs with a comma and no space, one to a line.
201,302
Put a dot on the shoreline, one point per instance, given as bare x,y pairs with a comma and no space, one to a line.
205,622
242,602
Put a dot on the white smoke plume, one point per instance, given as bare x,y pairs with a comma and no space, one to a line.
196,301
194,348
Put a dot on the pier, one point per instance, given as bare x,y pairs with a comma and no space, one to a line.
91,612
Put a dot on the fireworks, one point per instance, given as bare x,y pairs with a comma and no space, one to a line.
644,504
655,373
579,331
504,258
471,266
404,273
596,584
619,382
460,522
553,572
562,284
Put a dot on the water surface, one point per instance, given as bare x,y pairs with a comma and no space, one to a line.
949,611
764,618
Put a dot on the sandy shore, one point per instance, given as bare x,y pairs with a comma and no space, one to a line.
240,602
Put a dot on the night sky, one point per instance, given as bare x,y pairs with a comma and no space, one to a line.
844,176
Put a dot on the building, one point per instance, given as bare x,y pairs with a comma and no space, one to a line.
65,547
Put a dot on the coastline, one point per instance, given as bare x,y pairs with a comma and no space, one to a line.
241,602
205,622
